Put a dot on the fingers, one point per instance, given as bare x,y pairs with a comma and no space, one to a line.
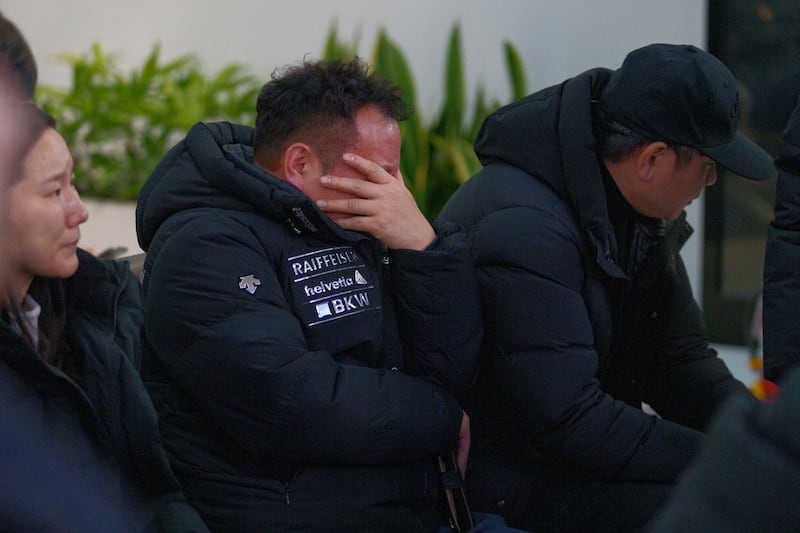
461,460
376,202
351,206
464,439
371,179
370,169
354,186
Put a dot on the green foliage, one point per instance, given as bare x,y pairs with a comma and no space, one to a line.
120,126
437,155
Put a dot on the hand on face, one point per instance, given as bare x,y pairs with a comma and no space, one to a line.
380,205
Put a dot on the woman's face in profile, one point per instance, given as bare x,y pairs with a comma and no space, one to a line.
43,214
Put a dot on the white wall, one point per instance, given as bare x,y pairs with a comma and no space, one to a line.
557,38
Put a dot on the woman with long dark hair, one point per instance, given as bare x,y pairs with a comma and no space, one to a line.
79,443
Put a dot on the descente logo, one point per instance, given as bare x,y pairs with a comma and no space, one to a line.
249,283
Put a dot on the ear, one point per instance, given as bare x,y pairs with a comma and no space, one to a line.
298,161
650,157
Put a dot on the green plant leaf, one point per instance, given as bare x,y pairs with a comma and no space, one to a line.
516,71
452,114
390,63
336,49
120,124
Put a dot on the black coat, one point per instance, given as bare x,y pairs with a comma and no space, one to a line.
305,377
86,457
782,263
747,477
573,346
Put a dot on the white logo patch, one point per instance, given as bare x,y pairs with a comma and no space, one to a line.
332,283
323,310
249,283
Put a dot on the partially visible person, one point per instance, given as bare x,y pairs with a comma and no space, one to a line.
79,444
575,224
43,487
23,461
747,475
781,296
19,124
69,346
17,64
308,332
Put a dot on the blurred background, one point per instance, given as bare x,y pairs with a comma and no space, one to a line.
125,79
555,40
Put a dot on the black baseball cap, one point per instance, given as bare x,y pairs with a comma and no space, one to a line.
684,95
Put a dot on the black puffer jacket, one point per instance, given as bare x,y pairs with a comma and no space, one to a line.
782,260
573,346
747,477
86,457
304,376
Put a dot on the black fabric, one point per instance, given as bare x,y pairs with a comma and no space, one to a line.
305,377
682,94
89,457
556,499
747,476
573,345
781,281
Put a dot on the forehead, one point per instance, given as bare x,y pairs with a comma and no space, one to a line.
47,154
378,136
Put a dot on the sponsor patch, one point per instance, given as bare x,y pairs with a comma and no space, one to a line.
332,283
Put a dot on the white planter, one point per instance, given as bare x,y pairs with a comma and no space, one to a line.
111,224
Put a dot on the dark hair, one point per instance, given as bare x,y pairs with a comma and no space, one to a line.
53,345
615,141
18,71
17,59
29,122
316,102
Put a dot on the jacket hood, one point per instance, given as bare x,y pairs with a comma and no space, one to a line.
213,168
549,135
540,132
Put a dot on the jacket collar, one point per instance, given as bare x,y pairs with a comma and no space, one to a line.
582,170
213,168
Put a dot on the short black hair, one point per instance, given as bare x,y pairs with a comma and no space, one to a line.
615,141
316,102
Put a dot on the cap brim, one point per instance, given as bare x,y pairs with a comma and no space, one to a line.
743,157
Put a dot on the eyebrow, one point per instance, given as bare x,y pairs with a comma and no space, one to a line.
54,178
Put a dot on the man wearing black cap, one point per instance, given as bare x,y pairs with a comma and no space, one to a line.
575,224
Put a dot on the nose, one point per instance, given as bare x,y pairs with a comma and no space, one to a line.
76,212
